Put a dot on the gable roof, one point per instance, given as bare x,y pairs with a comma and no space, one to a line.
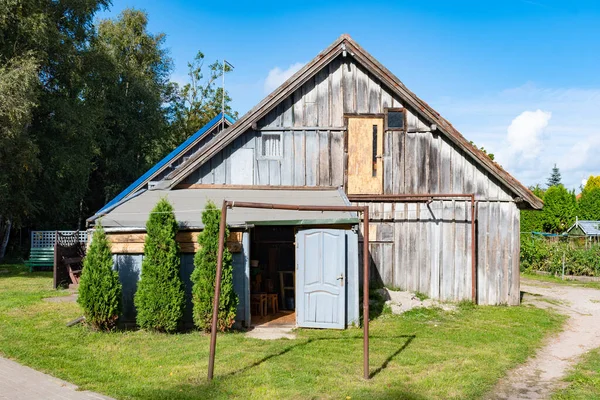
589,228
166,161
345,44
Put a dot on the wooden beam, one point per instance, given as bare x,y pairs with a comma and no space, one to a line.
251,187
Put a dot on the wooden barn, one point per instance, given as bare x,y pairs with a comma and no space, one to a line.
343,130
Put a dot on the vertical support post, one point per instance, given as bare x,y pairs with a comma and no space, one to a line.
366,292
473,253
213,329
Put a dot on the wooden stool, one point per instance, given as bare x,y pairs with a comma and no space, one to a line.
273,302
259,301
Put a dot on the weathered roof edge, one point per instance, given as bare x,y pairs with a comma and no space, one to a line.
164,163
226,136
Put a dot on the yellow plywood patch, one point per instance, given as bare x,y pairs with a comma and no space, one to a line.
364,175
133,243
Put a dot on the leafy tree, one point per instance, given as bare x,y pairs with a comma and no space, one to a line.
199,100
159,299
592,182
204,275
560,207
533,220
18,152
99,287
555,178
128,91
589,204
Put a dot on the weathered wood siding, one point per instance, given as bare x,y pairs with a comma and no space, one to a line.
427,248
312,128
417,247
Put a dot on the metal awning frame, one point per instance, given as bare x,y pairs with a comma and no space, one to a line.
222,228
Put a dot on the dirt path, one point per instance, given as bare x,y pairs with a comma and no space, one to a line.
541,375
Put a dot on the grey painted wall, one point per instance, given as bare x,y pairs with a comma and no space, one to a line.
129,268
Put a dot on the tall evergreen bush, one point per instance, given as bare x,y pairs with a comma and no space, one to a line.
204,275
159,299
99,287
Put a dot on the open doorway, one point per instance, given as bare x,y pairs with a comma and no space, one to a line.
272,276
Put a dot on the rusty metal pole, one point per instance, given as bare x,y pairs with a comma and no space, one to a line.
473,252
213,328
366,265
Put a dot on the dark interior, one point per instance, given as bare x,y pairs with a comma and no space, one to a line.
272,269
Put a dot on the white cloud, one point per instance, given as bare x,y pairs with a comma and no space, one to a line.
277,76
564,129
525,133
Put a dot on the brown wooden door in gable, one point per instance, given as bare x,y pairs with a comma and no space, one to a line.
365,151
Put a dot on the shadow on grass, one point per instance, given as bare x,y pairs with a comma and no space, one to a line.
21,271
221,387
409,339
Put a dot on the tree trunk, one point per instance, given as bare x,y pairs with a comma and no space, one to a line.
4,236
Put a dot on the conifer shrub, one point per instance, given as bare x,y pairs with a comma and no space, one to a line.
159,299
204,276
99,287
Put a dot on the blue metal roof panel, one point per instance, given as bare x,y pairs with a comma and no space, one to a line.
168,158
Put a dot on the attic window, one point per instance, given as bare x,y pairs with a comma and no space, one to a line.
395,119
271,145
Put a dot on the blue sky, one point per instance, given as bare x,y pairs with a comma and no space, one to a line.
519,77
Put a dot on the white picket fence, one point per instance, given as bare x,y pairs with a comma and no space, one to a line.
45,239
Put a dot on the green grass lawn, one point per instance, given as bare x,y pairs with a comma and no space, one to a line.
584,380
423,354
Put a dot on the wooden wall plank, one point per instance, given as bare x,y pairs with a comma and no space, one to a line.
461,269
287,162
482,252
433,167
324,158
411,159
388,166
414,248
349,85
323,97
262,172
287,118
362,91
424,261
447,268
374,88
219,168
299,159
446,167
274,172
337,158
312,158
515,286
298,108
435,251
336,114
422,168
398,157
310,103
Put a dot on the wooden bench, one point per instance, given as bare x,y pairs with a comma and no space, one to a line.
40,257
